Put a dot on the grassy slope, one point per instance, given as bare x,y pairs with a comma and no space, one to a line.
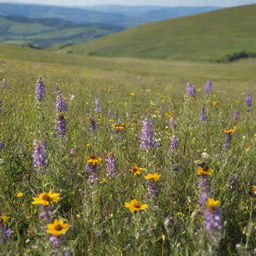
202,37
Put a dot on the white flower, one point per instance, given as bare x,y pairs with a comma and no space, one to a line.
205,155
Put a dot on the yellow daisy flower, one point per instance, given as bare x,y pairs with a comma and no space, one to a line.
136,170
46,198
254,189
119,126
4,219
204,171
229,130
93,159
135,206
20,194
153,176
57,228
212,204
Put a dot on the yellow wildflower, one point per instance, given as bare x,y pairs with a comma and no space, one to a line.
254,189
131,93
212,204
136,170
46,198
4,219
215,103
153,177
135,206
204,171
93,159
230,131
119,126
20,194
57,228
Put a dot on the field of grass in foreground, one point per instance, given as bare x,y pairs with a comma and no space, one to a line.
133,89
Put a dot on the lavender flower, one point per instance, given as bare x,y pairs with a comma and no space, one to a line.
152,190
1,146
97,108
174,143
56,91
61,126
3,83
93,124
39,156
208,87
92,170
203,116
146,137
236,115
40,89
56,241
190,89
61,105
204,190
248,100
111,165
46,213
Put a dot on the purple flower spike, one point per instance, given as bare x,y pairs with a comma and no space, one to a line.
39,156
93,171
203,116
208,87
40,90
236,115
248,100
61,105
190,89
146,137
111,165
97,108
174,143
61,126
93,124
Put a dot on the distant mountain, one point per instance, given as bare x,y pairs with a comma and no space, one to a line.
124,16
44,33
222,35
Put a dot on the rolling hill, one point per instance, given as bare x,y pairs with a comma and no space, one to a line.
44,33
214,36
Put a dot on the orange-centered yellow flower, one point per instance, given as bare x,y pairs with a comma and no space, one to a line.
153,176
57,228
4,219
46,198
136,170
212,204
119,126
254,189
204,171
229,130
93,159
135,206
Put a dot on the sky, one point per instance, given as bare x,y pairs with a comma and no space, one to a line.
222,3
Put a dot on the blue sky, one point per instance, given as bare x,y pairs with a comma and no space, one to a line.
138,2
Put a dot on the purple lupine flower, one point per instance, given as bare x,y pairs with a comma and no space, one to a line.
72,151
111,165
93,124
39,156
152,190
208,87
203,115
248,100
1,146
204,190
212,217
236,115
55,241
56,91
228,138
92,170
174,143
97,108
146,137
5,232
40,89
61,105
190,89
3,83
46,213
61,126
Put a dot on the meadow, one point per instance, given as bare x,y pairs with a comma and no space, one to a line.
109,101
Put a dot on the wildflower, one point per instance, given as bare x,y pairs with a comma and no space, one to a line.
131,93
174,143
204,185
208,87
39,156
56,91
20,194
97,108
93,124
136,170
46,198
61,105
111,165
5,232
203,116
61,125
146,137
236,115
110,113
4,219
171,121
135,206
190,89
215,103
254,190
40,89
3,83
212,216
1,146
204,171
248,100
152,177
228,133
93,159
204,155
118,127
57,228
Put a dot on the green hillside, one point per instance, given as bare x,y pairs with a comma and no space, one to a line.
210,36
44,33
